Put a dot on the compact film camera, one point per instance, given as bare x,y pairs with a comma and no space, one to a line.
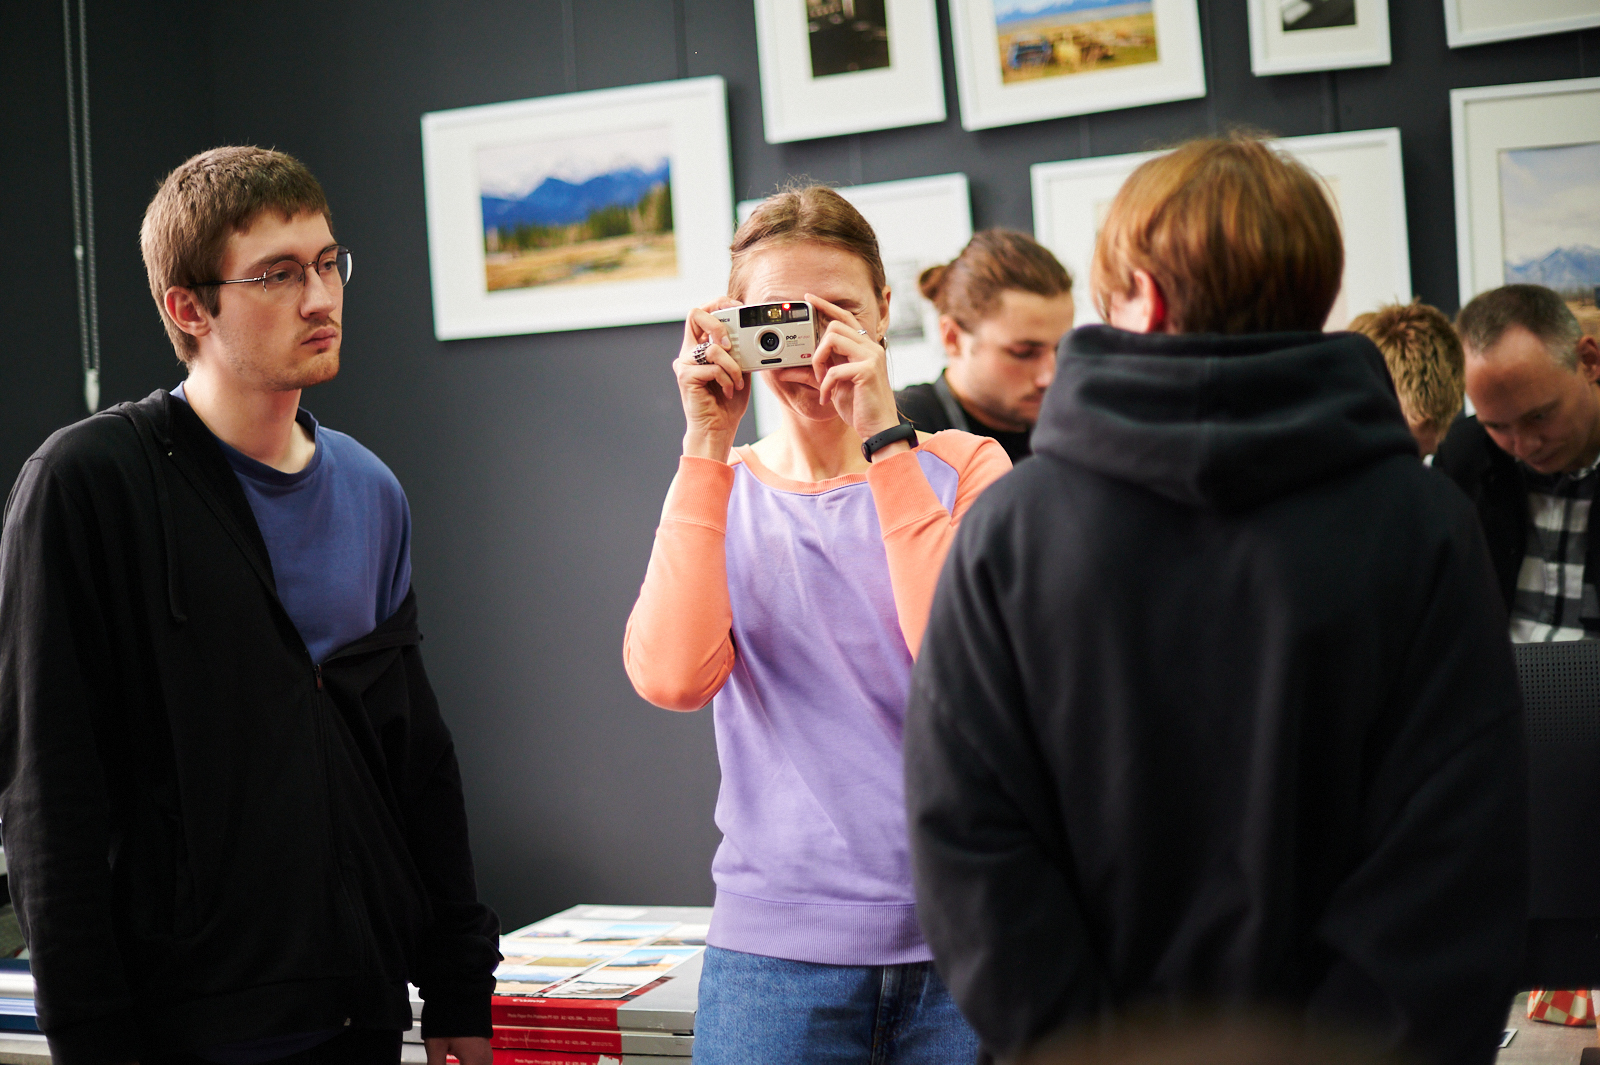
765,336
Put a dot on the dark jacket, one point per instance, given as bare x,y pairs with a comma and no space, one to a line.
933,408
1216,706
209,837
1497,484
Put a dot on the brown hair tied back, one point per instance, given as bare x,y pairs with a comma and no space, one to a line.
805,214
969,287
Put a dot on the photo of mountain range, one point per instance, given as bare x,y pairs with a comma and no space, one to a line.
577,210
1550,219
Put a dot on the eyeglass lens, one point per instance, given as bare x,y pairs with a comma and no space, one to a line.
333,268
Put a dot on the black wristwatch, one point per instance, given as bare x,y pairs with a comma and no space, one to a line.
904,431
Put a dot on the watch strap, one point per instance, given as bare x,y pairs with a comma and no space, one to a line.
904,431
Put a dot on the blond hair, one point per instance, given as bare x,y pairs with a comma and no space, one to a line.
1238,237
203,202
1424,356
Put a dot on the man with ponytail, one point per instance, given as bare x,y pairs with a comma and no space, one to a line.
1004,304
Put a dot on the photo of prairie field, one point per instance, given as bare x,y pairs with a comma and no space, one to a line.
1056,38
578,210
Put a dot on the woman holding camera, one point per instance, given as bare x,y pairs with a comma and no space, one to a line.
791,580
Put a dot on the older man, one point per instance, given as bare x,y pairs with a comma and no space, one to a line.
1528,458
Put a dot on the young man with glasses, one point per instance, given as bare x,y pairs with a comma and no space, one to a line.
232,812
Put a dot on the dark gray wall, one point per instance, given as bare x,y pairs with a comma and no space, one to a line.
536,465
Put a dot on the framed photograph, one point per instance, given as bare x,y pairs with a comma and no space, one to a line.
1291,36
1362,172
1027,60
1527,169
919,223
1469,22
577,211
830,67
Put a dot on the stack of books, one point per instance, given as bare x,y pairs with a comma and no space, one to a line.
16,998
596,985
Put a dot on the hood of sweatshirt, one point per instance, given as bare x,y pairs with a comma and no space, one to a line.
1223,422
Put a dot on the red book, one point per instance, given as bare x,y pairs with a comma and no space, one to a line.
557,1057
594,1041
536,1012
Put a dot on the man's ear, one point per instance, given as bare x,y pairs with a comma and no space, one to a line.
1143,310
950,336
1154,300
1589,359
185,309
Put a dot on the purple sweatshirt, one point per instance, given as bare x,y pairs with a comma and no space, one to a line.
796,605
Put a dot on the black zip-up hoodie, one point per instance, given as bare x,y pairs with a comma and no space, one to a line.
1216,707
209,837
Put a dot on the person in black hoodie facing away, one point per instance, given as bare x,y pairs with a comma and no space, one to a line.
1215,708
231,810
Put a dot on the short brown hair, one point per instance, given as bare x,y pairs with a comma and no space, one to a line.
968,288
1539,310
1239,237
805,214
1424,356
201,204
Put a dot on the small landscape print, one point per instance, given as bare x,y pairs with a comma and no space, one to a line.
578,210
1300,15
847,35
1550,222
1053,38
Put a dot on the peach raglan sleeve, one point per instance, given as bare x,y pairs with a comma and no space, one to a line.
917,529
678,647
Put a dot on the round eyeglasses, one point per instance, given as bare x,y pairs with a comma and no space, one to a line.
289,275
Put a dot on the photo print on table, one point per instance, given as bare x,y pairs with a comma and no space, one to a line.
847,35
1056,38
1298,15
578,209
1550,221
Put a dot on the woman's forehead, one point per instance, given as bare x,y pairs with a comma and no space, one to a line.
811,266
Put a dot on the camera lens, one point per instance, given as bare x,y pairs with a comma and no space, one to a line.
770,341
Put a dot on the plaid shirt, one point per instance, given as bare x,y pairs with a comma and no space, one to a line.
1555,599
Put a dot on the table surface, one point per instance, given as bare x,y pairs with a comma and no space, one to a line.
1534,1043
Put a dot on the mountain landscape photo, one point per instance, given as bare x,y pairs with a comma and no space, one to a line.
1550,219
577,210
1570,271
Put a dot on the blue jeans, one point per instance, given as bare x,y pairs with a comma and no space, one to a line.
768,1011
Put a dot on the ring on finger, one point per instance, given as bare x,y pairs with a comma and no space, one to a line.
700,353
861,332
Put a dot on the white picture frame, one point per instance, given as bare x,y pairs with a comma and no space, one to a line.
1470,22
1018,70
798,103
1362,170
920,222
561,147
1277,48
1488,123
